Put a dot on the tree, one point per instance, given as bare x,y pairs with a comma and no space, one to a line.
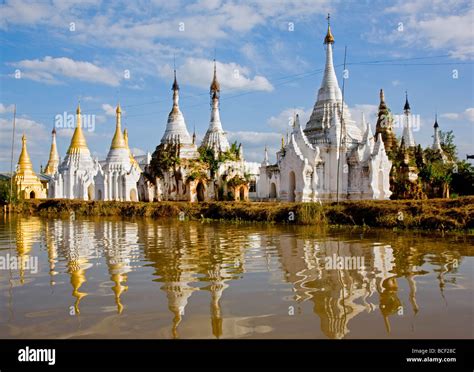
166,158
5,192
463,178
445,175
437,176
447,144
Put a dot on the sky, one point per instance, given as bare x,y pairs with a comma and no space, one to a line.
270,58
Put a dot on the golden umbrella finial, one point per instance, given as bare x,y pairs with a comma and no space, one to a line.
329,39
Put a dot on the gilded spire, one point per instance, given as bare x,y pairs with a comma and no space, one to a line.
215,86
329,39
53,162
24,162
118,141
78,141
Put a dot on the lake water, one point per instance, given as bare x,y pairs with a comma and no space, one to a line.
144,278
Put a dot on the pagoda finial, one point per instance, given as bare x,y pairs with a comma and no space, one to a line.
382,96
175,82
78,141
215,86
118,140
329,39
175,90
406,108
24,162
53,161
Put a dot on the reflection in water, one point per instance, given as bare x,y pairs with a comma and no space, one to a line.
252,267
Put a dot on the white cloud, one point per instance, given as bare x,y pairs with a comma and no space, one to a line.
109,110
221,19
469,114
284,119
6,108
232,76
50,70
450,116
434,24
254,143
36,135
370,112
466,115
137,151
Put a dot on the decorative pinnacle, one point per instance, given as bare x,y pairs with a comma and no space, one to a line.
175,82
329,39
407,105
436,125
215,86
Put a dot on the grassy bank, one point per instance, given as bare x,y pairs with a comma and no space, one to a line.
435,214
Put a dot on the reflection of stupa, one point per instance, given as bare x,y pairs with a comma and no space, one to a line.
27,231
76,245
339,295
182,257
51,246
120,248
389,301
220,263
168,248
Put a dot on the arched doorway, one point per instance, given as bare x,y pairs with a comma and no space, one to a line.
90,192
200,191
291,186
242,193
133,195
32,195
99,194
273,191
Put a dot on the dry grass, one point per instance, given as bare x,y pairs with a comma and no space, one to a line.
434,214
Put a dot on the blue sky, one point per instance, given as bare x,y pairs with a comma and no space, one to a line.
270,58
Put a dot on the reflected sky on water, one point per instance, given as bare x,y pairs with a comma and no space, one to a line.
144,278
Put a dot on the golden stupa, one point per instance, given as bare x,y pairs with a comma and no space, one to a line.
27,182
